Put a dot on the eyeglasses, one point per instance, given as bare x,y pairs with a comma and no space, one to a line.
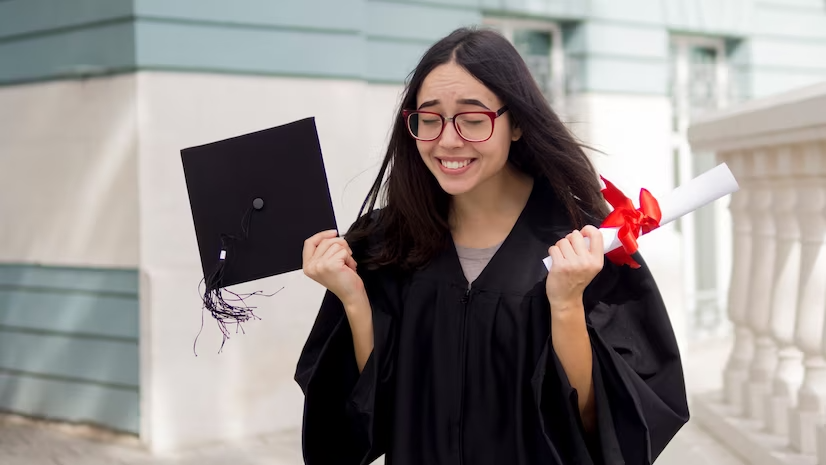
472,126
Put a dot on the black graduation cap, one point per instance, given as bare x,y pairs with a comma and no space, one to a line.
255,199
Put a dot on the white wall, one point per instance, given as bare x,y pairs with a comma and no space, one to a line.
248,389
68,182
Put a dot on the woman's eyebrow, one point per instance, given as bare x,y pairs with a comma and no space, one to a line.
465,101
429,103
472,101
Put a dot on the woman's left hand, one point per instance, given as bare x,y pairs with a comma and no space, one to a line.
574,266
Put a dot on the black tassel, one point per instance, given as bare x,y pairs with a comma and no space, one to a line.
233,309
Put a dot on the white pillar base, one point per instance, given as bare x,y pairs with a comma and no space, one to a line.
821,444
736,374
777,415
757,395
811,405
744,436
735,383
786,384
759,387
803,427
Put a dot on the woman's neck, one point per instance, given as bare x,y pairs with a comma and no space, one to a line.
484,216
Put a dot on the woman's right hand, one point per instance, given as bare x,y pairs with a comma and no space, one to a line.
328,260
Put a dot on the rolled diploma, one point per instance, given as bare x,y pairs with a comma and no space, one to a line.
700,191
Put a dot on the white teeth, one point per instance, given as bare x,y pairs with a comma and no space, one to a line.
454,165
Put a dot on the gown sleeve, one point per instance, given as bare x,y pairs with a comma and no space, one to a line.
638,382
347,413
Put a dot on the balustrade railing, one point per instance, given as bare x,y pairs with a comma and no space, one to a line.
773,406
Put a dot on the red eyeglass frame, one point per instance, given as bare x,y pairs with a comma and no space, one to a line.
490,114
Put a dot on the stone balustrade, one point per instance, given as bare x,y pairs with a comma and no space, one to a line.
772,409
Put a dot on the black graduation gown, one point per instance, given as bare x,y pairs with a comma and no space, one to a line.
462,376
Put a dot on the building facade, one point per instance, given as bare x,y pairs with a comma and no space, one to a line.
99,267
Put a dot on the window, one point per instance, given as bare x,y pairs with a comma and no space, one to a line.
540,44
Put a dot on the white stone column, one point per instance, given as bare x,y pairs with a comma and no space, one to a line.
812,303
789,372
736,371
763,245
816,154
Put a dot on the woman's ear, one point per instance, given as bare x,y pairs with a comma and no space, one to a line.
516,134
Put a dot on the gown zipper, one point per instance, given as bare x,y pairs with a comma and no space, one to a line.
463,356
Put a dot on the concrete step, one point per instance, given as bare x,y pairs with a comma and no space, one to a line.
693,445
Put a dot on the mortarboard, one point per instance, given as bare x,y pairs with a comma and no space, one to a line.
255,199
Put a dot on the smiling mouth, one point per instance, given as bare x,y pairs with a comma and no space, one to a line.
455,165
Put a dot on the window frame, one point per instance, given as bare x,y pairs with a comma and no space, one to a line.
557,54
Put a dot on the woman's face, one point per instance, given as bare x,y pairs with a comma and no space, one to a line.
458,165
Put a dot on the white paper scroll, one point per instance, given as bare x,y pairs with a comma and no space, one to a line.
700,191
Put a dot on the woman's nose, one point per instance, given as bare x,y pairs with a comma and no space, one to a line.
450,138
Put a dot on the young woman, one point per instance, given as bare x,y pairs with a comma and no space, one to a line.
443,339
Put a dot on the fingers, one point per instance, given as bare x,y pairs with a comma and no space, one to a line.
578,243
575,264
567,249
327,244
556,255
329,256
580,248
324,249
312,243
595,236
341,255
329,249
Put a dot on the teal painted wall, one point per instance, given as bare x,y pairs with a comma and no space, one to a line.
69,344
615,56
43,39
613,46
26,18
379,41
558,9
788,45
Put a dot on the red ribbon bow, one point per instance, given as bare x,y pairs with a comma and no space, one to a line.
630,221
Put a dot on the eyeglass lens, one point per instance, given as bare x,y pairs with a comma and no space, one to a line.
471,126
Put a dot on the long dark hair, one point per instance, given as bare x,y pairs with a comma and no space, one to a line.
413,224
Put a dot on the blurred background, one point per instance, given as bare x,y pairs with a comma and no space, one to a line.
99,267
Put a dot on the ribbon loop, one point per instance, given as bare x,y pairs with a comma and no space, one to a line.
631,221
